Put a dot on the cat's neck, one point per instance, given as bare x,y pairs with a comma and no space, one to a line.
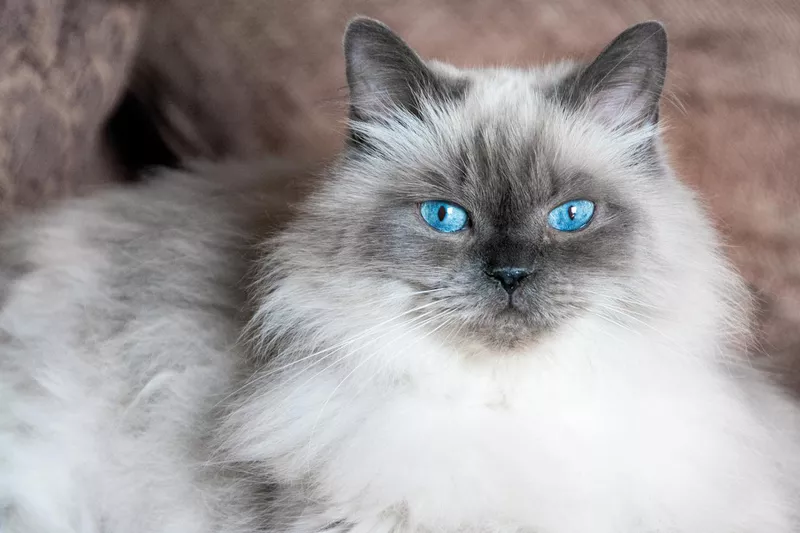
313,404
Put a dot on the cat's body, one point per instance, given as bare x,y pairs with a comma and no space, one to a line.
386,382
119,319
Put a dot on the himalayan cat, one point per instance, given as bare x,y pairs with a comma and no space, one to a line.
498,311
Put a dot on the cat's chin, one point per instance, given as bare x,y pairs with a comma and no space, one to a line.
509,332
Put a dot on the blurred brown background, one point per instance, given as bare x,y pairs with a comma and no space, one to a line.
236,78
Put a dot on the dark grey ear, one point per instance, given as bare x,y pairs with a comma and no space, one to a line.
622,87
384,72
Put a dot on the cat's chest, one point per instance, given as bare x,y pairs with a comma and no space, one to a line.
445,461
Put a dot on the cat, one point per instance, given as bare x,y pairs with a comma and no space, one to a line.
498,311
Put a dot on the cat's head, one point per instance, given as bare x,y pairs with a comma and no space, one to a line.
509,201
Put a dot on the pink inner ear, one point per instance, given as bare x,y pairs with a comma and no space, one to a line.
622,105
622,86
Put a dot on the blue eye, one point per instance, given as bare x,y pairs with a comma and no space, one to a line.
443,216
571,216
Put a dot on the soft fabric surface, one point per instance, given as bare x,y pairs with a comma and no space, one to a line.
238,77
63,64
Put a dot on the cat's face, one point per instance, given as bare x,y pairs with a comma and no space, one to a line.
508,201
501,234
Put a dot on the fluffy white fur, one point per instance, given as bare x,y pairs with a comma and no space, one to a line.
129,403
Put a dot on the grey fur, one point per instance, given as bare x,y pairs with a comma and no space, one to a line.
384,72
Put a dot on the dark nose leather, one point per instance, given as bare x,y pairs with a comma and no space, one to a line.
509,277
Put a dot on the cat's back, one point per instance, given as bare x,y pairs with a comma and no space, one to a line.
119,319
93,270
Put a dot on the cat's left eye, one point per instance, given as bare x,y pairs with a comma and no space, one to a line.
571,216
444,216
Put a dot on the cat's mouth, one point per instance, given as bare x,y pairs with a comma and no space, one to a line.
511,307
502,326
501,322
511,311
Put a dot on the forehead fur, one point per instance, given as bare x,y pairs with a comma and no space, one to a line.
517,111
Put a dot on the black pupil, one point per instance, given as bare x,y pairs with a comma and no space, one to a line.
571,212
442,213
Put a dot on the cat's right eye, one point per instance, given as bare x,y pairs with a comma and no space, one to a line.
444,216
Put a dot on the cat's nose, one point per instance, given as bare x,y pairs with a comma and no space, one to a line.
509,277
